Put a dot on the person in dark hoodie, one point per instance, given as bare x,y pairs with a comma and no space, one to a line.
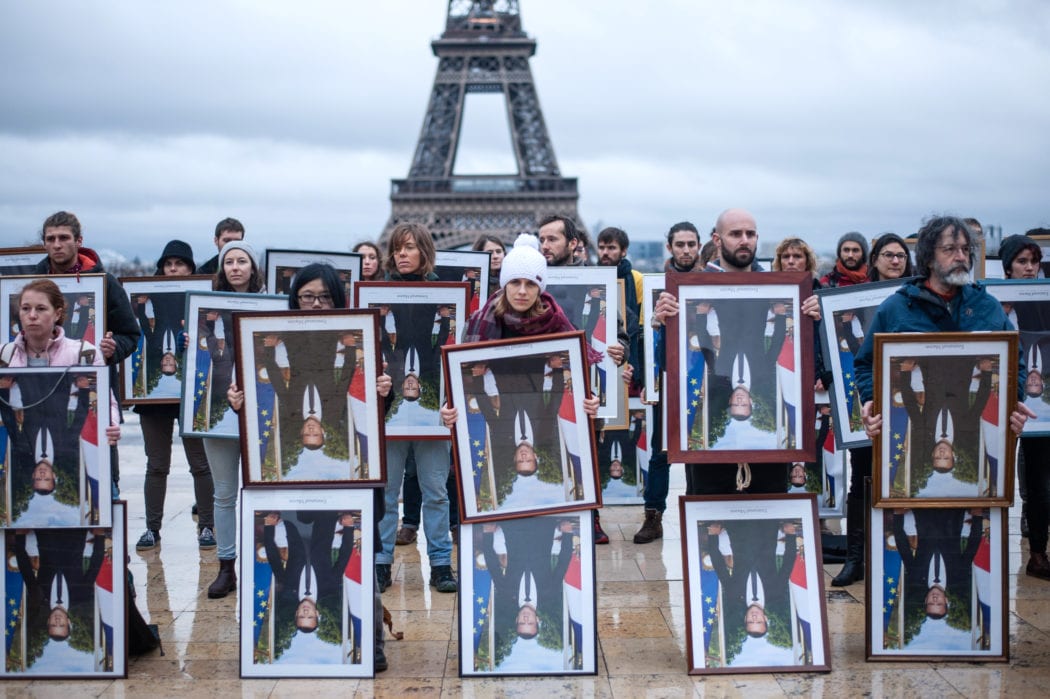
66,254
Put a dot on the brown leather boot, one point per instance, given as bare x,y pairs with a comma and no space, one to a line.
225,581
652,529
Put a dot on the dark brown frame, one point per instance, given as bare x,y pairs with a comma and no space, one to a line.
744,508
941,345
725,288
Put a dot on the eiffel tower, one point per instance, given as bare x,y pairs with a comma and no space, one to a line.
483,50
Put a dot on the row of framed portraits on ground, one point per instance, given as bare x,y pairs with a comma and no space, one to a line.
65,606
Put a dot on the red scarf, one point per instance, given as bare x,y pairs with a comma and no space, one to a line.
852,276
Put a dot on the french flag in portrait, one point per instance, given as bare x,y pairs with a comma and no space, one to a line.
982,577
104,600
600,345
991,436
788,385
352,590
642,450
832,460
359,412
800,601
574,603
569,436
89,452
482,596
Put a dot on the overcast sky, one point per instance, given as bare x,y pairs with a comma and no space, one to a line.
154,120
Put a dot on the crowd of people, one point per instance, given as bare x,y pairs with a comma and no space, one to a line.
938,296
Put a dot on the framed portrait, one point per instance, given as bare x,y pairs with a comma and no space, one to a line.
65,615
740,368
84,295
623,457
56,467
642,411
846,314
827,477
210,359
937,587
282,265
153,373
308,588
590,298
521,432
527,603
1027,304
754,587
416,319
652,286
470,267
20,260
945,400
309,381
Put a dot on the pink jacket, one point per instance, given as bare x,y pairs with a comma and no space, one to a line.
62,351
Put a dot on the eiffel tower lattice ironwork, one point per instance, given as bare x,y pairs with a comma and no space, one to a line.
483,49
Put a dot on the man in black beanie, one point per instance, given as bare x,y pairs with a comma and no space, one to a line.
850,265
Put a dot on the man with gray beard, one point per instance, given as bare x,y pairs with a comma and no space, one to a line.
941,300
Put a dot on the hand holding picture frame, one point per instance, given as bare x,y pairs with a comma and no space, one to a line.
740,368
945,401
522,442
311,412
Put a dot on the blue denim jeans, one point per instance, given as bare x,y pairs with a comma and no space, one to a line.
224,457
432,465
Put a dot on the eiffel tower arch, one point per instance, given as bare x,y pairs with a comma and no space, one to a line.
482,50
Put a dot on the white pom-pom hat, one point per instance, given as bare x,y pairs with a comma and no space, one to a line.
524,261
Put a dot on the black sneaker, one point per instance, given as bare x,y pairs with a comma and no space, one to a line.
380,660
206,539
443,579
382,576
148,540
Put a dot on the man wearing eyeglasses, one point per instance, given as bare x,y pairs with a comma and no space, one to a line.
941,299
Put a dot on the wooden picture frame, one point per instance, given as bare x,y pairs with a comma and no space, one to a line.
754,587
153,373
85,294
20,261
415,320
908,617
740,368
310,377
521,432
283,265
494,560
846,312
586,294
93,566
1027,305
945,399
287,629
210,360
56,460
